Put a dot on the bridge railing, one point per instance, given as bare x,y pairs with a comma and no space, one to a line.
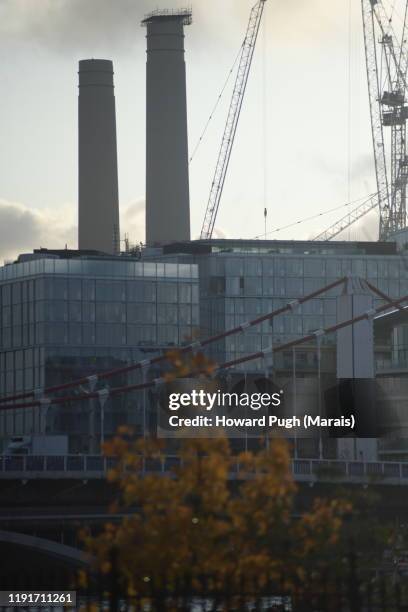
56,463
97,466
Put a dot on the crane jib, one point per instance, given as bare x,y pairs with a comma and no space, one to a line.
227,141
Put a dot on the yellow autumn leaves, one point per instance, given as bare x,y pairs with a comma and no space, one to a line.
200,521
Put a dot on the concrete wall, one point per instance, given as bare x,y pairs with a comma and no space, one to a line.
355,343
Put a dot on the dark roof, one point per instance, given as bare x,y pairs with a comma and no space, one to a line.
70,253
198,247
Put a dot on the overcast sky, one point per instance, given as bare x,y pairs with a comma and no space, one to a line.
305,121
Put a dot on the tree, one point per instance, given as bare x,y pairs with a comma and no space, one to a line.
222,535
199,529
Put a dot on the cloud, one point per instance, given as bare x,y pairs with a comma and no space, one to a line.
218,232
132,221
73,23
363,166
364,230
59,23
23,229
221,233
69,23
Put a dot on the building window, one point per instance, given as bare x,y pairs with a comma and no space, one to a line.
217,285
294,267
167,313
110,291
314,267
333,268
294,287
75,289
167,293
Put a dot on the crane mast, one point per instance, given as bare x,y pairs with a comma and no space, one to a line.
387,90
394,116
367,7
227,142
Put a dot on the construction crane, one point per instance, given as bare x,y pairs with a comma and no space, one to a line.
387,90
352,217
227,142
394,115
374,95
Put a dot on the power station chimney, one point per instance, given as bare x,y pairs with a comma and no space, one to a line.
98,207
167,186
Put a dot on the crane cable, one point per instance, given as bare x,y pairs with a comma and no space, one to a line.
265,124
262,354
197,146
349,106
316,216
38,394
403,37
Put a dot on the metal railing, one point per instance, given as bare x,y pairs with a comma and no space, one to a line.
97,466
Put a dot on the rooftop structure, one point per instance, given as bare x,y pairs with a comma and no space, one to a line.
184,14
303,247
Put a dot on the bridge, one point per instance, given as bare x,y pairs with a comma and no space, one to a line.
96,467
46,500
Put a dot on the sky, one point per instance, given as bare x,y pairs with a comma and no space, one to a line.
303,144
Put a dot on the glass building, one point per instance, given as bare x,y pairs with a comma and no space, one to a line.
241,280
70,314
65,315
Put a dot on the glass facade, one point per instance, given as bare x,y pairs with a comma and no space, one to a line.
400,347
62,319
236,288
65,318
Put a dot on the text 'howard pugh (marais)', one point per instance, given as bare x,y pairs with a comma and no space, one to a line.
238,416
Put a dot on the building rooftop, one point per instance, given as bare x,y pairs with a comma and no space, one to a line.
74,254
299,247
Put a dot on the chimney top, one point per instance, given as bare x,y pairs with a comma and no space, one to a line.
185,15
95,72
